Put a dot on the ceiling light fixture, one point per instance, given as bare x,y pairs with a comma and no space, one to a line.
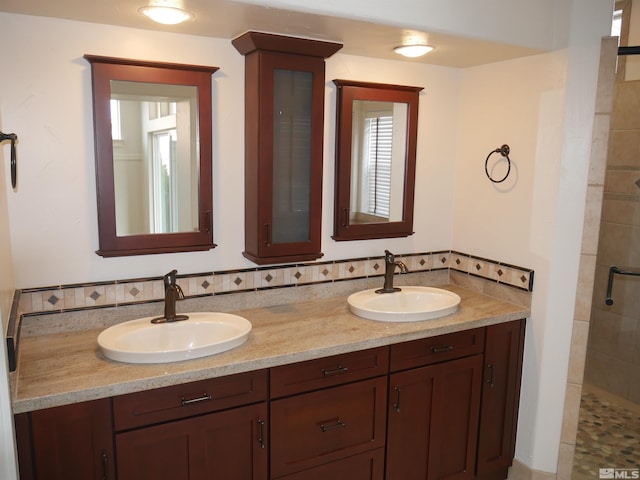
165,14
413,50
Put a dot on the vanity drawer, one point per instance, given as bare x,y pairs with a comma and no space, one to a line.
365,466
328,371
181,401
320,427
437,349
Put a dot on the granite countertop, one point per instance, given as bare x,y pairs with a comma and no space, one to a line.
65,368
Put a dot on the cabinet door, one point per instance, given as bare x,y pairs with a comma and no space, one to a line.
72,442
228,445
289,189
284,125
433,421
500,397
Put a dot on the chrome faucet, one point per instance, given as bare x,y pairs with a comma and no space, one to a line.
390,265
172,293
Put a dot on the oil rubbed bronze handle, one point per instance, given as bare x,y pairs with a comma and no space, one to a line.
336,371
205,397
261,433
105,465
396,405
267,240
339,424
443,348
492,371
208,220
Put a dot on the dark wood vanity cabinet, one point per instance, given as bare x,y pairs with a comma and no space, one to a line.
434,409
209,429
442,407
331,418
72,442
224,445
284,126
503,354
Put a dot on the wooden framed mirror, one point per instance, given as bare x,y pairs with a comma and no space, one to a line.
152,128
376,132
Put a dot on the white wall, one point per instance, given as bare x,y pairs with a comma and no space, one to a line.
53,214
543,108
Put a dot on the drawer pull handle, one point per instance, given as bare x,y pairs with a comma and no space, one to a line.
205,397
443,348
492,371
105,466
339,424
396,405
336,371
261,435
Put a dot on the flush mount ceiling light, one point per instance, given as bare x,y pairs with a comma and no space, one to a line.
413,50
166,15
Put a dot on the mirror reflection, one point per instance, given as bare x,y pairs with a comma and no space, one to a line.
376,134
379,132
155,157
153,147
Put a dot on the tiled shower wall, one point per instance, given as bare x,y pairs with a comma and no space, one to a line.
613,363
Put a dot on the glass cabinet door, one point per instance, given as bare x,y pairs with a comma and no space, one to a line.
292,122
284,123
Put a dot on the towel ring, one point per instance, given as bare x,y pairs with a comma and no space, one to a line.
504,150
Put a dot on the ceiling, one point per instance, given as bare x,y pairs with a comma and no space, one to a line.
228,19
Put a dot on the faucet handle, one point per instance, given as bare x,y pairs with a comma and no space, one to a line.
170,278
389,257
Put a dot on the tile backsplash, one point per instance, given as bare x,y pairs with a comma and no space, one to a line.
63,298
85,298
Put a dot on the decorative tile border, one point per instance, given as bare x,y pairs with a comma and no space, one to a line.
500,272
63,298
68,298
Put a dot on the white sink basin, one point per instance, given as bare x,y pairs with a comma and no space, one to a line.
411,304
203,334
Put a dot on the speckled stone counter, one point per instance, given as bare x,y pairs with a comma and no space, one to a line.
64,368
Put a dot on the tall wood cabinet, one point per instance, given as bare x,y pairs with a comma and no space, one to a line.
284,124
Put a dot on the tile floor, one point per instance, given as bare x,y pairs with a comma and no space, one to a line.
608,437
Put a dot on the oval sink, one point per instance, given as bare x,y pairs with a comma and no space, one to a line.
203,334
411,304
